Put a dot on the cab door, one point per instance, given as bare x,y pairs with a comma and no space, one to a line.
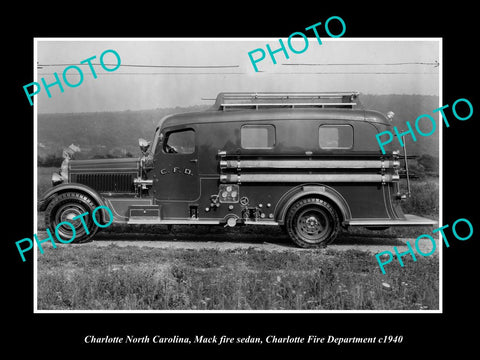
176,166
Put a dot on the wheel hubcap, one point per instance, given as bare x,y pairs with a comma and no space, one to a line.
313,224
70,215
66,213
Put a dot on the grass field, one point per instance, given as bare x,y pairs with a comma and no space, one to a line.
132,278
44,176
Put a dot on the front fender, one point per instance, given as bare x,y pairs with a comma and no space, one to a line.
56,190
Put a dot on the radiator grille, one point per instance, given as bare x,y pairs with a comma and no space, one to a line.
106,182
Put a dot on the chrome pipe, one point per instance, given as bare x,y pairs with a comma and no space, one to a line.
308,164
254,178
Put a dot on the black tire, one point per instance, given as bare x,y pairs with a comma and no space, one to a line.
312,223
66,206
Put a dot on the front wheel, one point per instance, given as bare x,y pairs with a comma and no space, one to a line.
63,208
312,222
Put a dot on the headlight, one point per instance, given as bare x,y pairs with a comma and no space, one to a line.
56,179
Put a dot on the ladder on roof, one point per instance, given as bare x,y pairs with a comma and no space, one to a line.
245,100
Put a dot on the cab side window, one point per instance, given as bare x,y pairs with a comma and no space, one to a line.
179,142
257,136
335,136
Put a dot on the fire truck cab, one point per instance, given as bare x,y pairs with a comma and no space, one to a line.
308,162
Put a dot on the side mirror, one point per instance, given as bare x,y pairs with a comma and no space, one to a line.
144,145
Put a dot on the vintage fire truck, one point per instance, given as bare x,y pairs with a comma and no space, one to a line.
308,162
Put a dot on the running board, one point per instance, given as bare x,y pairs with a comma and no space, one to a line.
410,220
259,222
157,221
145,220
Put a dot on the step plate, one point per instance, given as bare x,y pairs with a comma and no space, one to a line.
410,220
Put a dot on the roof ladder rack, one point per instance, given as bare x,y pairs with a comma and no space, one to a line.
245,100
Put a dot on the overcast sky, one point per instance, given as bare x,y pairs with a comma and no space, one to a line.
342,64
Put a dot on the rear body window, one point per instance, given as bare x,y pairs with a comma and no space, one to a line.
335,136
258,136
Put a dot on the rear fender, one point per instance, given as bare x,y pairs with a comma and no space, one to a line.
320,191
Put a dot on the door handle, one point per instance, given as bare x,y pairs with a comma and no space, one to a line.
193,160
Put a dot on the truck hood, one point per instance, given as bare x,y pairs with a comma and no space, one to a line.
104,175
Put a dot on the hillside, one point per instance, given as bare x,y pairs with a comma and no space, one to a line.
117,133
101,133
408,108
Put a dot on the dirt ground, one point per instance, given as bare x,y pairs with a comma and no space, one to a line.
275,241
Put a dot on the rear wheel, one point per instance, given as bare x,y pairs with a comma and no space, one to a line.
66,206
312,222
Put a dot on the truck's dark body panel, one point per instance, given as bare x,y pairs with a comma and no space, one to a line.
213,175
296,133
